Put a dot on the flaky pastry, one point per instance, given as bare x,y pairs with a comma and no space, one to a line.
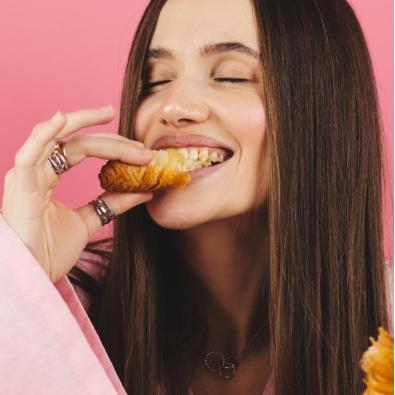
166,170
378,364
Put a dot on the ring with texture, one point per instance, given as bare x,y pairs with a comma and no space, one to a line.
58,158
103,210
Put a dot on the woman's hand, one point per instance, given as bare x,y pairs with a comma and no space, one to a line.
54,233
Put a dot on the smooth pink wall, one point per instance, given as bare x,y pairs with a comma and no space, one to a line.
67,55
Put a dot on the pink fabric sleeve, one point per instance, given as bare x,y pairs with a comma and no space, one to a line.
48,344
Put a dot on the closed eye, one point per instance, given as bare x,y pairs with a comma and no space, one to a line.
232,80
149,85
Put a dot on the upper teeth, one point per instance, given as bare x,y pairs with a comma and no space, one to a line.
200,154
198,157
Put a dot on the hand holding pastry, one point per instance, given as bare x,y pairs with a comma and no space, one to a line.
53,232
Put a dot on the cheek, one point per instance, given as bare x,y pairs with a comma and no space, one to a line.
245,119
144,116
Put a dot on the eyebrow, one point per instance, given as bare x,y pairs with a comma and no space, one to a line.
206,50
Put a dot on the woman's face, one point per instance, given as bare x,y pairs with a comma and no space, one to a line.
195,100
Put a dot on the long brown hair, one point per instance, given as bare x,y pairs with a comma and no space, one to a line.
326,282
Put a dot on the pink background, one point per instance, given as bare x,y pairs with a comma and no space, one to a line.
70,55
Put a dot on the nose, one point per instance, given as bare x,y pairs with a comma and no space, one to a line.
184,104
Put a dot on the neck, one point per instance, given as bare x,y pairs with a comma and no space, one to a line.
230,258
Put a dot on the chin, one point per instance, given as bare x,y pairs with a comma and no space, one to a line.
175,210
171,218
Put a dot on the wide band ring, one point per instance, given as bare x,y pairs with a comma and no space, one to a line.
58,158
103,210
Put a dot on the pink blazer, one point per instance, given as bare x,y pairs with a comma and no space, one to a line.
47,342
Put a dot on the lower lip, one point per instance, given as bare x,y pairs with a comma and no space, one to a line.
204,171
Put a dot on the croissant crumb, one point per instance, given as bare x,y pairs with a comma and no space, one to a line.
378,364
166,170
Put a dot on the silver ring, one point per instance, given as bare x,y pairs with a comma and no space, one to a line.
103,210
58,158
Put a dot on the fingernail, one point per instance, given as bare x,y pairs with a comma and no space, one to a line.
56,117
106,109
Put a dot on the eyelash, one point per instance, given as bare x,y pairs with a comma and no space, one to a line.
150,85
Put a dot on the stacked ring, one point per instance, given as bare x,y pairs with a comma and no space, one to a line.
60,164
58,158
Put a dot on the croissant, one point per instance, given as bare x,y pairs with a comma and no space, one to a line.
168,169
378,364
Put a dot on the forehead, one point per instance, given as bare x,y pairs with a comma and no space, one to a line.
185,25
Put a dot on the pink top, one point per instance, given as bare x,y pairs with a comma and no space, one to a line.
47,342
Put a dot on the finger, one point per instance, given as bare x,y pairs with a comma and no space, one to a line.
80,147
118,202
118,137
84,118
29,153
51,145
44,132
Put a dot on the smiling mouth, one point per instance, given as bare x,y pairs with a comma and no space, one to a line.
199,157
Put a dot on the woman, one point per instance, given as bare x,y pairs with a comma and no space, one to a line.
198,295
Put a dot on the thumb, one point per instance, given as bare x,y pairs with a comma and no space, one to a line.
119,202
